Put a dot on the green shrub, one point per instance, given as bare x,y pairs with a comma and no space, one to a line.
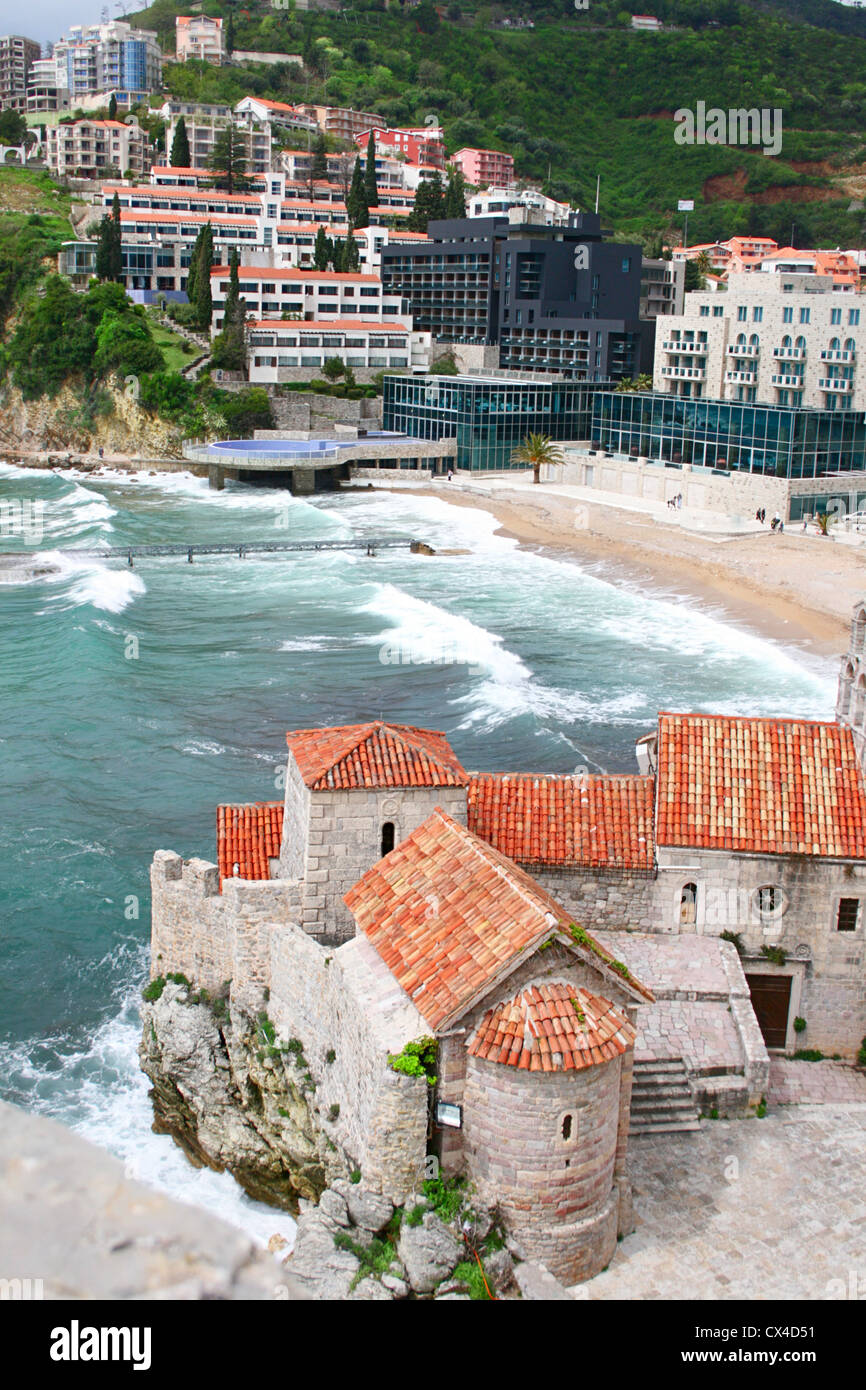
470,1273
153,990
445,1197
355,1175
861,1054
735,939
333,1112
809,1054
799,1025
774,954
417,1059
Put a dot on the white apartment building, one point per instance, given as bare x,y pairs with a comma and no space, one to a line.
502,200
111,57
774,339
205,123
43,90
305,294
276,349
96,147
198,36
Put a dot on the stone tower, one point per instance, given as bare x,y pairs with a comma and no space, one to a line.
851,699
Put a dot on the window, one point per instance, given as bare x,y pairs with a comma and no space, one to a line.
566,1126
805,315
387,837
689,903
788,314
626,264
718,310
835,315
769,899
849,911
705,311
742,314
853,317
757,314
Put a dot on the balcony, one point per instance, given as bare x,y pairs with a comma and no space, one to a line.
790,383
746,350
790,354
675,345
741,378
837,355
840,385
686,373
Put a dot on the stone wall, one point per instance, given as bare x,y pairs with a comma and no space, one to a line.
310,411
733,494
341,838
832,996
543,1145
602,899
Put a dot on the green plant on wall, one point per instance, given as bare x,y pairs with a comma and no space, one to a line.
418,1058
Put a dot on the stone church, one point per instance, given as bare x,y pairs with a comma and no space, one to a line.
593,957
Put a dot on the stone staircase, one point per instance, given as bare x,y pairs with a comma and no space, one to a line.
661,1100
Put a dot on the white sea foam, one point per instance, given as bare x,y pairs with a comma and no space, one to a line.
101,1093
90,582
203,747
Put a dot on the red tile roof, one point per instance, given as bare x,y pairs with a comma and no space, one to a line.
600,822
450,916
375,755
248,836
760,786
552,1027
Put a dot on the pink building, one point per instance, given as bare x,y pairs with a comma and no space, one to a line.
485,166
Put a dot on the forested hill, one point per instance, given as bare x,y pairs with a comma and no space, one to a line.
581,94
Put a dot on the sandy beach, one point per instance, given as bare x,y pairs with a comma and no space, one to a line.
796,588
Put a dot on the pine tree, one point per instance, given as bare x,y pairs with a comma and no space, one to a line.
112,107
320,253
319,170
228,160
116,243
370,189
180,156
230,34
356,203
429,204
338,251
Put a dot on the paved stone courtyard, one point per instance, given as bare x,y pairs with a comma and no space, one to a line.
758,1209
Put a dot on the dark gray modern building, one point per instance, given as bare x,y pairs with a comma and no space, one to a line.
555,299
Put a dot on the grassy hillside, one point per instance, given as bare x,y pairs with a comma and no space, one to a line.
581,95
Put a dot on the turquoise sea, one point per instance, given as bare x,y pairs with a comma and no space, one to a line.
133,701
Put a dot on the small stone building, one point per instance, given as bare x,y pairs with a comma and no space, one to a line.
534,1022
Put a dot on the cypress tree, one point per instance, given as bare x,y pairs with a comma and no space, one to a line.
200,295
320,159
229,349
351,256
230,34
320,252
455,195
227,159
356,203
116,242
192,273
180,156
370,189
103,249
112,107
338,251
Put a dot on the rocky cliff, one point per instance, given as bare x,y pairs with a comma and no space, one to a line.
233,1098
116,424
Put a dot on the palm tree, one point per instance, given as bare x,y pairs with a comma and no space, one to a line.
536,450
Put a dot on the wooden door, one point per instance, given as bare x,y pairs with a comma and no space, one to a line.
771,997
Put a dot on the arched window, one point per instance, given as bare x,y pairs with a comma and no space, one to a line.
754,341
387,837
689,904
850,345
835,345
786,341
801,342
741,340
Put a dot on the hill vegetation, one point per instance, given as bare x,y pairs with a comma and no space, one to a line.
581,95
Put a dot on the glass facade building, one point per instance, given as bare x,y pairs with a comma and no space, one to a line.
729,436
488,416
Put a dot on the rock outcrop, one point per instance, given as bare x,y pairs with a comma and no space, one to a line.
232,1099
